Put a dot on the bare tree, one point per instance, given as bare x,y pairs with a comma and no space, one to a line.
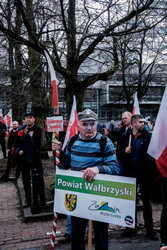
140,56
82,33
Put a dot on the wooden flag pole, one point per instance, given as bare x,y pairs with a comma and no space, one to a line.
90,235
130,139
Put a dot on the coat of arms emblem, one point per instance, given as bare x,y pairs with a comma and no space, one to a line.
70,202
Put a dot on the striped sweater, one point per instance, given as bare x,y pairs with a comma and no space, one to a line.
87,153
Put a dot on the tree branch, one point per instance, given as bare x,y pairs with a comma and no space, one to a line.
100,37
105,75
27,24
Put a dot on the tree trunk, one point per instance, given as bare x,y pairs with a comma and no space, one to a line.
37,95
18,99
73,89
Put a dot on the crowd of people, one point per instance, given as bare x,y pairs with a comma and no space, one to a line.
23,146
124,153
125,156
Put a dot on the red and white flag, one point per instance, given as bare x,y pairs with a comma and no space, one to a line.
1,115
72,128
55,103
136,109
9,118
158,144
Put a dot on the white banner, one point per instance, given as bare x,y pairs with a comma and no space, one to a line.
54,124
106,198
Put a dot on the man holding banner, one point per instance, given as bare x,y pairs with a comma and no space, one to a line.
90,153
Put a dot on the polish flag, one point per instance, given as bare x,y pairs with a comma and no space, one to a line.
1,115
55,103
72,128
158,144
136,109
9,118
4,120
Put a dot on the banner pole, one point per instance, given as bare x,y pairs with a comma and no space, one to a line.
52,242
130,139
54,227
90,235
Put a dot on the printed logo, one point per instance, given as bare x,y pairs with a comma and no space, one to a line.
70,202
128,220
102,206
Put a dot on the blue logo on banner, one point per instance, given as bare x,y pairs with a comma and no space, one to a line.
128,220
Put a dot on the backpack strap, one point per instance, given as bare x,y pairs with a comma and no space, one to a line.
103,141
72,140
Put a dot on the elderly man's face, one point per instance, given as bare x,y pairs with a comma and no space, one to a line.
88,128
126,120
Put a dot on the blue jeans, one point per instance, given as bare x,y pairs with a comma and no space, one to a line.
78,234
68,225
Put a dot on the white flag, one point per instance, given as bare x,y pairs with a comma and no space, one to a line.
136,109
159,136
9,118
72,128
55,103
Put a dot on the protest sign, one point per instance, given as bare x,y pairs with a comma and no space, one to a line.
106,198
54,124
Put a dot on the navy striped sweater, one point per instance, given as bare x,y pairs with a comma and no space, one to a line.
87,153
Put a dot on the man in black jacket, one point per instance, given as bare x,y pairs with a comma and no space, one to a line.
11,148
135,162
3,129
28,149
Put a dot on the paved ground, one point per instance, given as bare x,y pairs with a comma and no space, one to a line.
15,234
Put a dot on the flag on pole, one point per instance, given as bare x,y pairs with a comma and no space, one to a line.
158,144
55,103
1,115
72,128
136,109
4,120
9,119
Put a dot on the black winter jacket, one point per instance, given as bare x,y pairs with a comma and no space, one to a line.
138,162
29,144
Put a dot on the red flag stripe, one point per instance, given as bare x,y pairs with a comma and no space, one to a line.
55,102
162,163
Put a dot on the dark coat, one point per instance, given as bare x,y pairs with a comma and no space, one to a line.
11,139
3,129
138,162
29,144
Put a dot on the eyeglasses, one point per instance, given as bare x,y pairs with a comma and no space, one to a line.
86,124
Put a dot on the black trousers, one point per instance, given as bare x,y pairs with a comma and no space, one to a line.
11,163
34,172
78,234
145,188
163,221
3,145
